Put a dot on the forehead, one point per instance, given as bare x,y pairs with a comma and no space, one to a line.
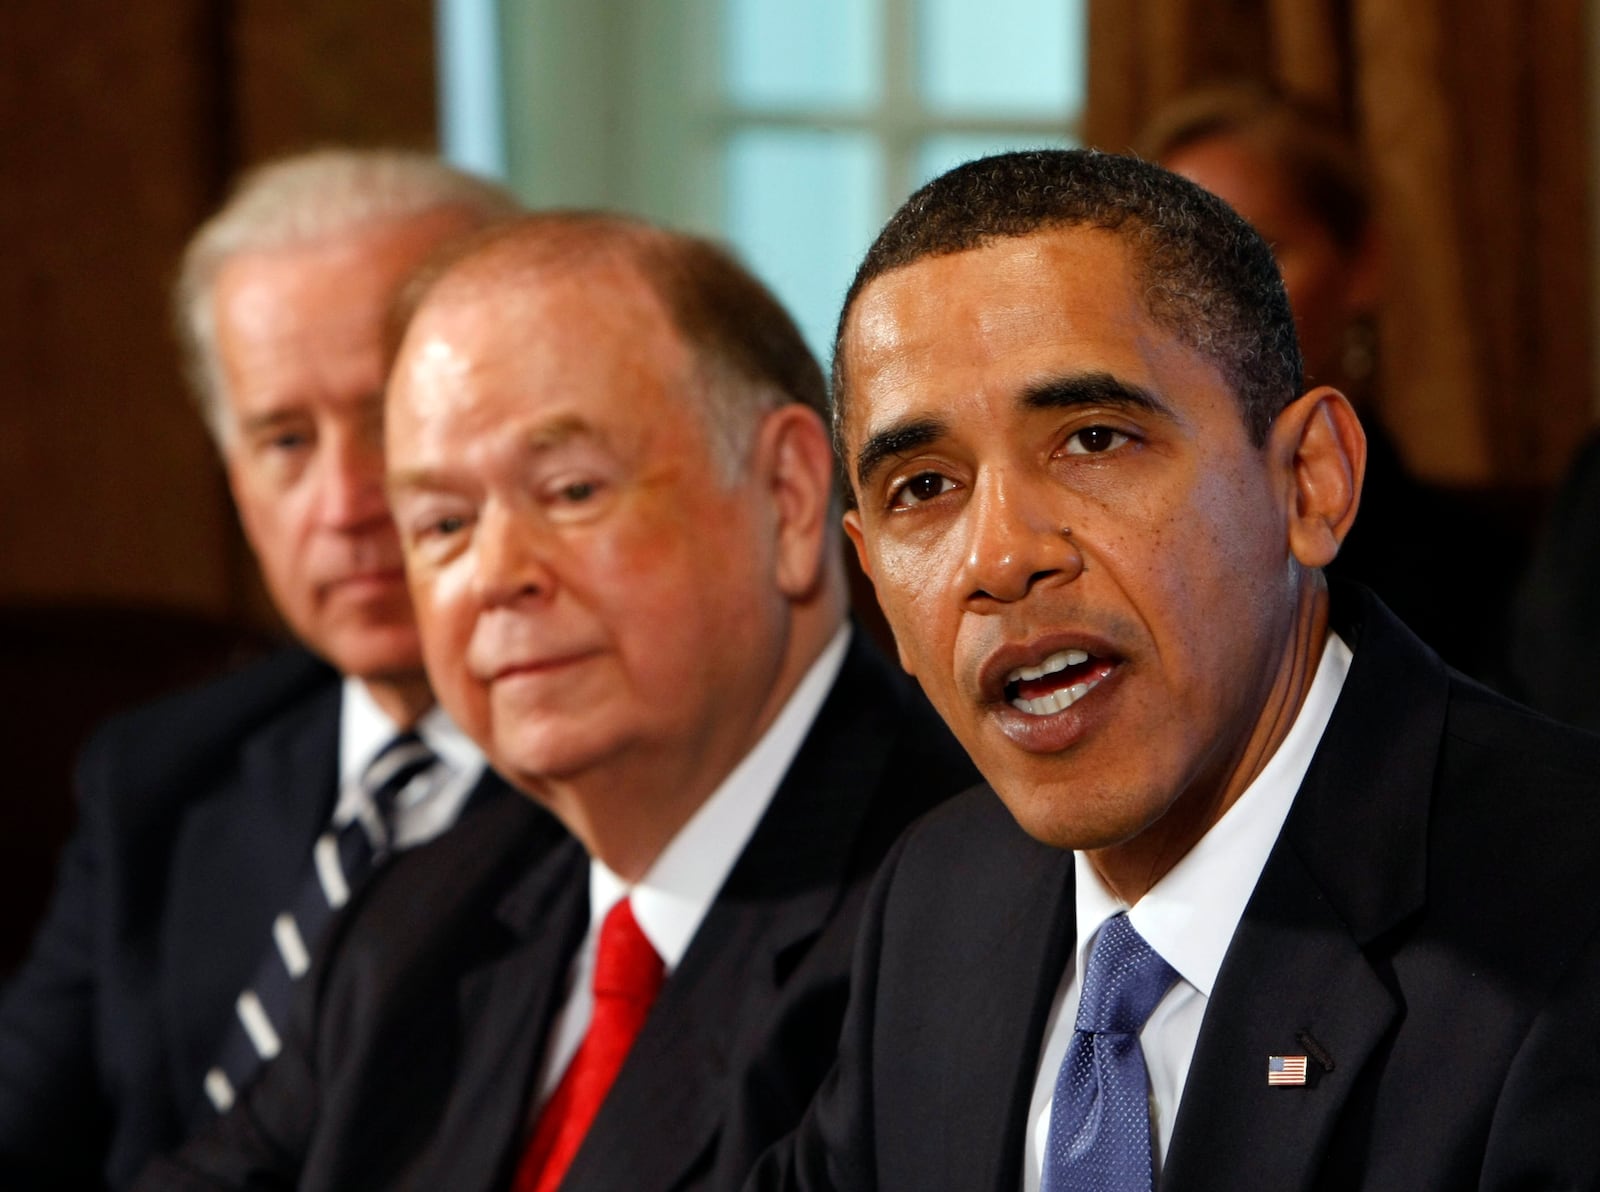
990,322
353,273
583,348
303,307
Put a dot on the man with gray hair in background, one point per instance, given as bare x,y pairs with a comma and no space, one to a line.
220,829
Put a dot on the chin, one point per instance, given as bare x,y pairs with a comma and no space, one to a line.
544,756
1063,818
378,653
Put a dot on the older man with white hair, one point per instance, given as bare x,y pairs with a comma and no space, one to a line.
221,828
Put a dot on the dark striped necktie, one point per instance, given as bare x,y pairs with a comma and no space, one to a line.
341,859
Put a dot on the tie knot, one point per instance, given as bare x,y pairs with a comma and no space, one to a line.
393,769
1125,980
626,966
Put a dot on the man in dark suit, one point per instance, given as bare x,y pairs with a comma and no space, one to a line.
1269,898
198,815
614,488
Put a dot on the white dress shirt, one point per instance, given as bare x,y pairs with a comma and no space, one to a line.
675,893
1189,918
432,801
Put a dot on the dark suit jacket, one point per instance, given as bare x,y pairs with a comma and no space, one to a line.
1428,919
413,1065
196,819
1554,660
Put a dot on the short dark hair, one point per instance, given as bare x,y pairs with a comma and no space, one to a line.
1207,276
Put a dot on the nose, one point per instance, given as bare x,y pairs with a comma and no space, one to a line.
352,498
1016,542
511,558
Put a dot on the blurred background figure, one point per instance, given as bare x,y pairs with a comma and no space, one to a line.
218,829
1554,657
1287,167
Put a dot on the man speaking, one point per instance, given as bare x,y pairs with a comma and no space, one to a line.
1269,898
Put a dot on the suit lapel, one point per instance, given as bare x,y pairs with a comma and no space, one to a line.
1348,867
506,1009
1291,985
672,1095
238,860
988,1060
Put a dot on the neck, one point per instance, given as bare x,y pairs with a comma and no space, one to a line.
403,699
626,811
1131,868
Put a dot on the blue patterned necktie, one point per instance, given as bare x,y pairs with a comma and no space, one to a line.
341,859
1099,1137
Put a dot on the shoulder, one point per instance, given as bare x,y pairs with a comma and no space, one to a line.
435,911
149,763
1516,816
497,862
970,848
217,713
877,714
1484,728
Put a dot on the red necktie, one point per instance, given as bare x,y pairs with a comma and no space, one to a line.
627,976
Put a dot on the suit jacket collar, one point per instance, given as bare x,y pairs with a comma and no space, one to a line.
1026,949
1349,866
673,1093
511,1001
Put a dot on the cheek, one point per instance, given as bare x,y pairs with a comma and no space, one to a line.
1219,568
918,585
444,623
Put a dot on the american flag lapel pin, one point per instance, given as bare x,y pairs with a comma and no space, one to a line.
1286,1069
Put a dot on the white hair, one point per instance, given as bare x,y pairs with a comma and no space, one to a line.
310,198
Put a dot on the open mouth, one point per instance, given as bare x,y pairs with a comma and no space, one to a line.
1056,683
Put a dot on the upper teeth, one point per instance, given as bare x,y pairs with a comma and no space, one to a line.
1059,661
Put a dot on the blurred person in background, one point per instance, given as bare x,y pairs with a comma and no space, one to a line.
1554,658
219,829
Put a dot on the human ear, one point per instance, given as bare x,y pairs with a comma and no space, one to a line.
1319,441
798,467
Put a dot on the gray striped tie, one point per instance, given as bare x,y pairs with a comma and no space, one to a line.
341,860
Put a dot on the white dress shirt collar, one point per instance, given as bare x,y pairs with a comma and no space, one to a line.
429,805
1190,915
675,893
671,899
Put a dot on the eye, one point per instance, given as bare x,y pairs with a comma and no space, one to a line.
574,495
431,526
919,489
1095,440
289,440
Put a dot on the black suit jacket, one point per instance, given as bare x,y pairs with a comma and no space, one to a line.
1425,928
411,1063
196,819
1554,660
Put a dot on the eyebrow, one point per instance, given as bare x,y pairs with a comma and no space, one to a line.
900,438
549,437
269,420
1092,389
